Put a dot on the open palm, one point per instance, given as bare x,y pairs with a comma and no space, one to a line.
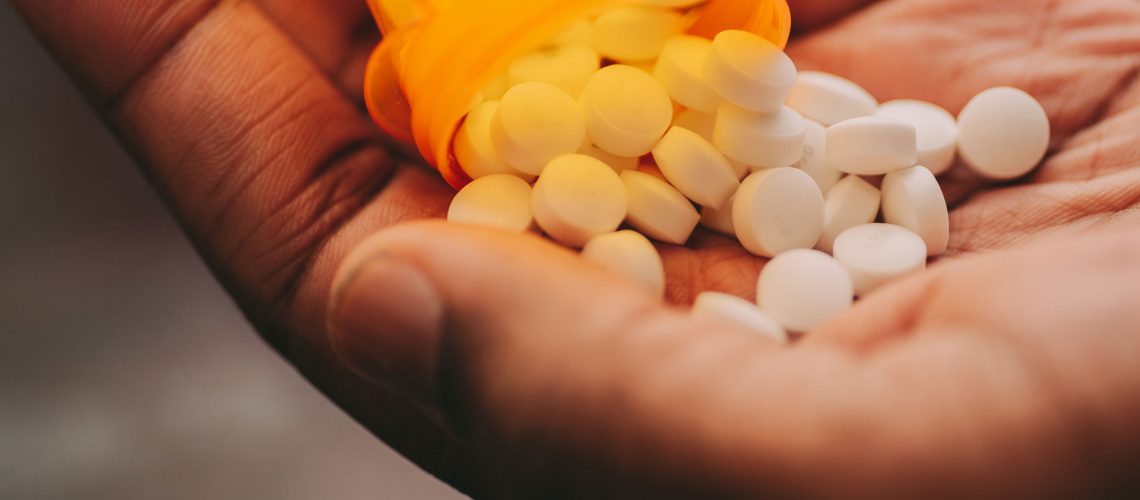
247,117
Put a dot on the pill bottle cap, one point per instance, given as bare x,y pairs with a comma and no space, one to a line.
436,55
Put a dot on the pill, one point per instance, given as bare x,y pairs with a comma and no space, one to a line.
749,71
634,33
913,199
498,200
719,221
567,67
658,210
875,254
727,308
494,89
618,163
695,168
852,202
763,140
803,289
829,99
577,33
680,69
1004,133
535,123
814,159
778,210
935,128
630,255
704,124
871,146
577,198
473,147
626,110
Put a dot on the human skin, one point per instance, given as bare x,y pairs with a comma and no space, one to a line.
512,369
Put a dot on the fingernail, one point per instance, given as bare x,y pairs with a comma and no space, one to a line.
386,324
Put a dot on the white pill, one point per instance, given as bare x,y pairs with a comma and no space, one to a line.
680,69
535,123
829,99
778,210
913,199
852,202
695,168
577,198
630,255
473,147
1004,133
871,146
499,200
618,163
935,128
719,221
704,124
658,210
627,111
567,67
763,140
749,71
875,254
814,159
803,289
634,33
727,308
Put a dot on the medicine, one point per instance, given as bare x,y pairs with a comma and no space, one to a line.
536,123
803,289
829,99
1004,133
567,67
936,129
716,306
634,34
695,168
577,198
763,140
814,159
749,71
680,69
627,111
618,163
500,201
875,254
852,202
913,199
704,124
871,146
630,255
473,148
778,210
718,221
658,210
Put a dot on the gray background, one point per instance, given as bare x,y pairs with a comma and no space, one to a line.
125,371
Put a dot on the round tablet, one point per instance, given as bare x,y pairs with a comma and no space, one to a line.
635,33
763,140
630,255
749,71
778,210
577,33
535,123
935,128
814,159
871,146
577,198
499,200
704,124
473,148
494,89
852,202
567,67
627,111
913,199
695,168
727,308
875,254
658,210
803,289
1004,133
719,221
680,69
618,163
829,99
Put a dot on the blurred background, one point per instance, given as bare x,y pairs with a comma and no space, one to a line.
125,370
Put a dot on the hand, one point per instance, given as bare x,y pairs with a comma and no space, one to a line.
527,370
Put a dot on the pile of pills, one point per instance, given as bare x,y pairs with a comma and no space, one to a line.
625,119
